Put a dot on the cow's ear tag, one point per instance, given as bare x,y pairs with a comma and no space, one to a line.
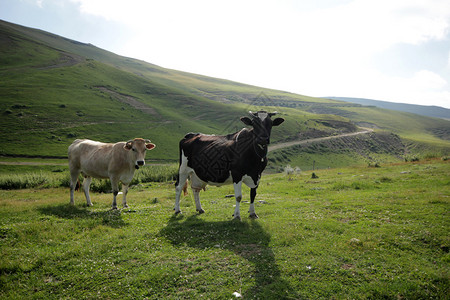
150,146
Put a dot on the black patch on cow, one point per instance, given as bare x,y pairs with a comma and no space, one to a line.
215,158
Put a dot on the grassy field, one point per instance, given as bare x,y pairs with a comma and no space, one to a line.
352,233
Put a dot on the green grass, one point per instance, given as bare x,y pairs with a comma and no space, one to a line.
364,233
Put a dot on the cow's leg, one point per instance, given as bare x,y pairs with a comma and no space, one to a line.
198,205
197,185
115,189
238,196
125,192
86,184
73,183
251,210
179,187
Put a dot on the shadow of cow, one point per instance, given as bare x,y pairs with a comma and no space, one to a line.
246,239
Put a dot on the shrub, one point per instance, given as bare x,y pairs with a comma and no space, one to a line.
411,158
376,165
385,179
431,155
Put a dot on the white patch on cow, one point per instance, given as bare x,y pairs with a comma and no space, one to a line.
263,115
249,182
184,161
196,182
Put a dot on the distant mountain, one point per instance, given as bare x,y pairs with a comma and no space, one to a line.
429,111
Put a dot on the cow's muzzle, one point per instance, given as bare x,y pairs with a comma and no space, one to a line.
139,163
263,141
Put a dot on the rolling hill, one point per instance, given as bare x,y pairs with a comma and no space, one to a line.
429,111
54,90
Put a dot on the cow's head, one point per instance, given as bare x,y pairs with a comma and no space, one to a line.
262,125
137,148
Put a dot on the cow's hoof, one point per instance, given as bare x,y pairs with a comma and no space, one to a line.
114,208
236,217
253,216
200,211
178,212
125,206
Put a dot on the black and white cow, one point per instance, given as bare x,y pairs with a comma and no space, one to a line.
235,158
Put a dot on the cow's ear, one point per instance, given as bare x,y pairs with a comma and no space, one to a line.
128,145
277,121
247,121
150,146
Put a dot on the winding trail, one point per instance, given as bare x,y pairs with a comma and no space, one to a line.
308,141
271,148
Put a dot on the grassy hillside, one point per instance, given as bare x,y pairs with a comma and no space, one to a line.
46,103
54,90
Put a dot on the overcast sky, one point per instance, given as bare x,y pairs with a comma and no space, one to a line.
392,50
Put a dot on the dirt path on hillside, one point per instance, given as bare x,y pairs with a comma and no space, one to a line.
271,148
309,141
130,100
65,60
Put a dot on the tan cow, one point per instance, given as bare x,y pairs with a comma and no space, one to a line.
100,160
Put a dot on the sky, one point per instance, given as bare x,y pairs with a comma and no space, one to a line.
391,50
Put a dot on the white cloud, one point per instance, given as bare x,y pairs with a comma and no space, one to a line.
323,50
448,60
425,79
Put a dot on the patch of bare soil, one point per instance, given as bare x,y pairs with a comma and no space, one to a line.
65,60
130,100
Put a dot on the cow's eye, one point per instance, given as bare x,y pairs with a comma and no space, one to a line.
133,149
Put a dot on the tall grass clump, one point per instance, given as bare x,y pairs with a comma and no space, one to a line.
156,173
24,181
42,179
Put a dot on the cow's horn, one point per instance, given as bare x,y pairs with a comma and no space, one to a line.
273,114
